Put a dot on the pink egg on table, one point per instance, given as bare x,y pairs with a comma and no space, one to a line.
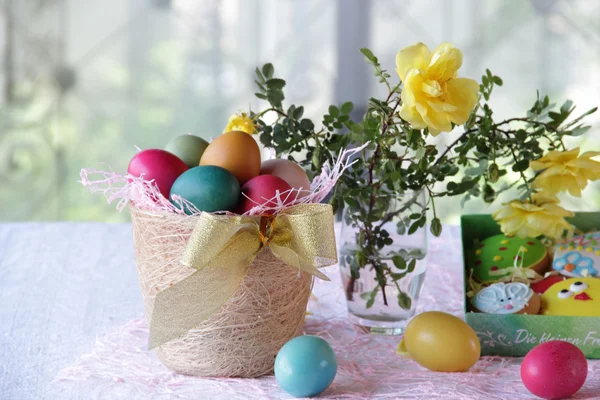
554,370
289,171
158,165
261,190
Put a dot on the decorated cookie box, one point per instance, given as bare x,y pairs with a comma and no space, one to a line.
516,320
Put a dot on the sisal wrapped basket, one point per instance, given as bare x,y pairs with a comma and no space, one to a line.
243,337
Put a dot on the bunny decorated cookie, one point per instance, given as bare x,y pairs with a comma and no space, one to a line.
507,298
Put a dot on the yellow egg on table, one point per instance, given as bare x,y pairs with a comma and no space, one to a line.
237,152
440,342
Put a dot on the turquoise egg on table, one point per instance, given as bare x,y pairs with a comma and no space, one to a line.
188,148
208,187
305,366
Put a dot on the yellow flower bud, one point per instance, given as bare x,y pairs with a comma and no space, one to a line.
241,122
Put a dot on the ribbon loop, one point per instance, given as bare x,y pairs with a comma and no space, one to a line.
222,248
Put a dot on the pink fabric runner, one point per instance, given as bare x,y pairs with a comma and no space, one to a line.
119,366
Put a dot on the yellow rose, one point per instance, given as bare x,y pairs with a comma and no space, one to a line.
432,95
241,122
542,216
565,171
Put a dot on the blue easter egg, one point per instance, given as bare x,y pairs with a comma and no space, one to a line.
207,187
305,366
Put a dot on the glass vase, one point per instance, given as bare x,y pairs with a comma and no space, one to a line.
382,255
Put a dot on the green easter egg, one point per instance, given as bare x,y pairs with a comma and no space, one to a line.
188,148
208,187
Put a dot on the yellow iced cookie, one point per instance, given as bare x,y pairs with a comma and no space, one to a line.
575,296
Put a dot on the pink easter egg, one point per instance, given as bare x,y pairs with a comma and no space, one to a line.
290,172
158,165
554,370
261,190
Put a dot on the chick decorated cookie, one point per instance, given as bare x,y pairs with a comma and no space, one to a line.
494,258
507,298
575,297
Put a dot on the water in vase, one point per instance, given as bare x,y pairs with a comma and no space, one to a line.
385,315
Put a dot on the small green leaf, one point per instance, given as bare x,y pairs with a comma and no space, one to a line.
521,165
489,194
404,301
268,70
585,114
307,125
334,111
275,83
436,227
275,97
259,75
347,107
414,226
399,262
464,200
298,112
411,265
351,201
361,259
566,107
497,80
579,131
260,86
261,96
369,55
397,276
371,297
400,228
493,173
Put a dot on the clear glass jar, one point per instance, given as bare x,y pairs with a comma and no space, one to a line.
383,284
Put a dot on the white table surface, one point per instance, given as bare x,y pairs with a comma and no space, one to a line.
61,286
70,299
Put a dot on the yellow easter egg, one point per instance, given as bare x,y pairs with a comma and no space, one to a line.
441,342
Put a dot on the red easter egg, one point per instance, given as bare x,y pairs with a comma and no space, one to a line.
260,190
158,165
554,370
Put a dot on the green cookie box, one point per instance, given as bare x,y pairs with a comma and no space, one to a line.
514,335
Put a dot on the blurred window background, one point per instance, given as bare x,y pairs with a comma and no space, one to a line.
84,82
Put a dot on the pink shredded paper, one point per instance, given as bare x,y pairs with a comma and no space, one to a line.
368,367
126,188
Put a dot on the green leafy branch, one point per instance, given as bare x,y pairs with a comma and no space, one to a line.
387,182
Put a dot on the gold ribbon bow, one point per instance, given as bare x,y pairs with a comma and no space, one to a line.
222,248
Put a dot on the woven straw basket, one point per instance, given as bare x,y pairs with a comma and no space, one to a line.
243,337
